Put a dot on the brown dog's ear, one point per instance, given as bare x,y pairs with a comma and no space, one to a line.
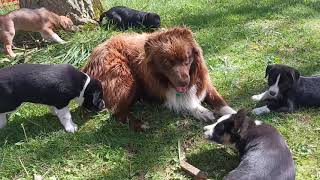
197,57
181,32
149,48
269,67
240,122
196,64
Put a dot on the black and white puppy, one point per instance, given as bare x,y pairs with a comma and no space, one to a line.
52,85
287,90
263,151
125,17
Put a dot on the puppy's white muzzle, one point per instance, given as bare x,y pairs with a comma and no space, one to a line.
209,130
274,89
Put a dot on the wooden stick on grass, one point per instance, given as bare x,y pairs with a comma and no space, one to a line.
193,171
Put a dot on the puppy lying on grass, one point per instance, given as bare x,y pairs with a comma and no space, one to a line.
287,90
263,151
125,17
34,20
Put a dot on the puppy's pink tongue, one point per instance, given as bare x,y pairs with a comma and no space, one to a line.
181,89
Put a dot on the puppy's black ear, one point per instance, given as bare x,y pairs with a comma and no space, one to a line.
96,96
269,67
240,122
148,15
295,75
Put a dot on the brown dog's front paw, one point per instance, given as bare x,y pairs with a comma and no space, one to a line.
138,125
134,123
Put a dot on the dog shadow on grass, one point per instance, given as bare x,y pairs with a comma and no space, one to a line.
126,153
23,124
217,162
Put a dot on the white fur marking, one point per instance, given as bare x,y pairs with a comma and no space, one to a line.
261,110
203,94
65,119
227,110
275,87
189,102
209,130
80,98
57,39
3,120
260,97
257,122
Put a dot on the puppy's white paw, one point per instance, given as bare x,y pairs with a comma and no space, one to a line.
227,110
261,110
256,97
72,127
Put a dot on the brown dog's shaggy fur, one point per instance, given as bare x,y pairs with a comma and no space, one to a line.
167,65
34,20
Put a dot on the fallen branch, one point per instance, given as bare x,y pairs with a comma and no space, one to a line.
190,169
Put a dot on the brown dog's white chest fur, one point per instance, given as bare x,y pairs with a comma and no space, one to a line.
188,102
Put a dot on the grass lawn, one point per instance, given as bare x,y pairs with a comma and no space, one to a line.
239,38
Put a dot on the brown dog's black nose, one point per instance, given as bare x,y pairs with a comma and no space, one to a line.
183,83
185,78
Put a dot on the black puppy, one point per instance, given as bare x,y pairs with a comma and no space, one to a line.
263,151
52,85
287,90
125,17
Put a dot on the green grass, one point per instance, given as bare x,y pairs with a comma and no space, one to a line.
239,38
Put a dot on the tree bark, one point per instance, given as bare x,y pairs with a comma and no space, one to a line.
80,11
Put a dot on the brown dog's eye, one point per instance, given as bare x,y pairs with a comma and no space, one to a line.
168,63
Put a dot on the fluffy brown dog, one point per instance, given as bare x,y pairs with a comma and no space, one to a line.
167,65
35,20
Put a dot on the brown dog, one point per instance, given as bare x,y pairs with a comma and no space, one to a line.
167,65
35,20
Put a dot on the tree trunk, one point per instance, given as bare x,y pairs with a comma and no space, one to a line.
80,11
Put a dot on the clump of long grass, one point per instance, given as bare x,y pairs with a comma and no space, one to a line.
76,51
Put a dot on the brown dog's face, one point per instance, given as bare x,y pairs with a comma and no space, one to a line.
172,54
66,23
